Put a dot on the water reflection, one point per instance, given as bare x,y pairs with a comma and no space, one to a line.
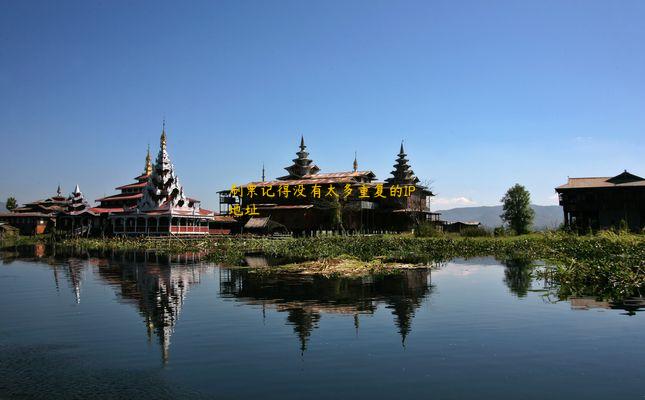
158,288
518,275
306,298
158,285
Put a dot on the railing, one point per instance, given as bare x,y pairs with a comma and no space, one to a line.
189,229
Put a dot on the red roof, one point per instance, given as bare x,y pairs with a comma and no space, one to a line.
349,174
116,197
166,211
225,219
316,181
132,185
105,210
26,214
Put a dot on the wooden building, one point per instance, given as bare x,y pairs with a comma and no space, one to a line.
604,202
37,217
79,219
307,201
460,226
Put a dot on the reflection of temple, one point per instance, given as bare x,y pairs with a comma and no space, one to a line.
72,270
156,285
306,298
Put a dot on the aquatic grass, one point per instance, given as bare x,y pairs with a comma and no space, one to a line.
606,263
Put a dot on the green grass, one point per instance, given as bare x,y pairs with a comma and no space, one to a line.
605,264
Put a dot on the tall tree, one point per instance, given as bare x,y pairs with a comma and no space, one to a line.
518,213
11,203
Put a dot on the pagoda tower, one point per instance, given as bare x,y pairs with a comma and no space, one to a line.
402,173
163,188
302,165
147,170
77,201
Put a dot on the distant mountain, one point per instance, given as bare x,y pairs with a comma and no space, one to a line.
545,216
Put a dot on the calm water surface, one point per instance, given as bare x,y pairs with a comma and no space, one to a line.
139,325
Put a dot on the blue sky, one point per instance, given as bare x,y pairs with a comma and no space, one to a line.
484,93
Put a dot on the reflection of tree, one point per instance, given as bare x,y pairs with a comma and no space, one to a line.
306,298
518,275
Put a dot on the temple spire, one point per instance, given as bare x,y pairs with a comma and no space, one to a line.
355,165
302,164
402,173
263,177
163,188
76,200
163,134
58,191
148,168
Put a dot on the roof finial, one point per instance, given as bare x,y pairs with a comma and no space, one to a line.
302,142
355,162
262,172
401,151
163,133
58,191
148,168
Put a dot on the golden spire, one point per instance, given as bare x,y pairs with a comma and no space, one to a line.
148,169
163,134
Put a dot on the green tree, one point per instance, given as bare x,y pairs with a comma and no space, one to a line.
518,213
11,203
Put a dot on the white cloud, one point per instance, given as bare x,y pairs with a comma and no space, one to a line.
442,202
554,199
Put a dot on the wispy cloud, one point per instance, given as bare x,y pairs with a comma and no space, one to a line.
554,199
444,202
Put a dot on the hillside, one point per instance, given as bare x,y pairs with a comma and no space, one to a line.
545,216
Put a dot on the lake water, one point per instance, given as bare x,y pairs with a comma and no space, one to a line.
124,325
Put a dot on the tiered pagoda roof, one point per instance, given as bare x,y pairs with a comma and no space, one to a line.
305,172
302,165
402,173
77,203
163,189
51,205
130,193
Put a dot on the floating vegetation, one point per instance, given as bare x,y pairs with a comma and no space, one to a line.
606,264
345,267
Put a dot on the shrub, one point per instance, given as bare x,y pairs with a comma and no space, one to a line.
427,229
500,231
474,232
